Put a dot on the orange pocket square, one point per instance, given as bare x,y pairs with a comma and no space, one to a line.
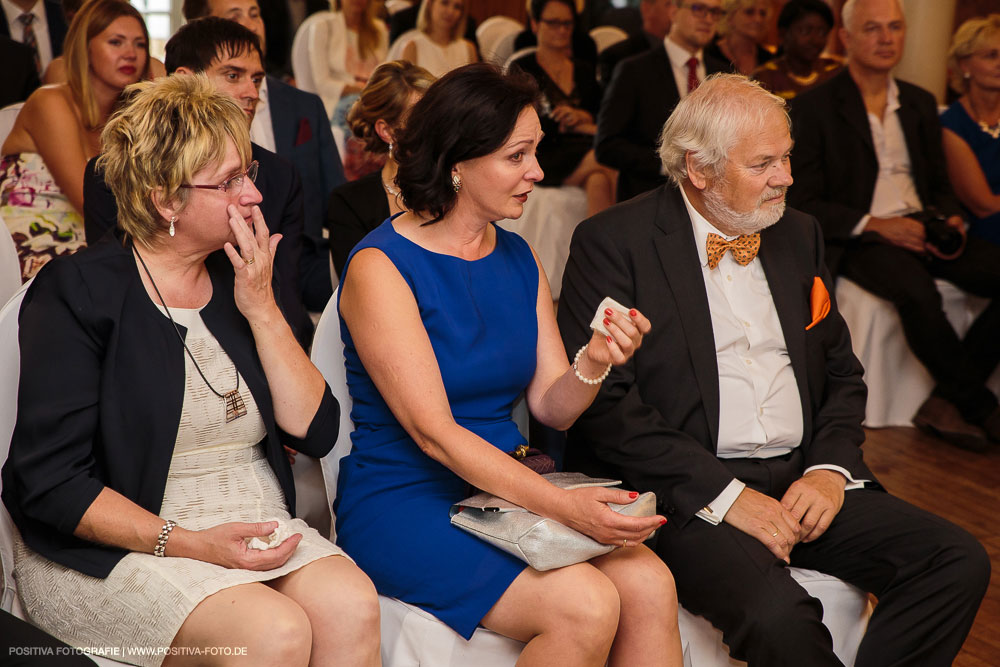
819,302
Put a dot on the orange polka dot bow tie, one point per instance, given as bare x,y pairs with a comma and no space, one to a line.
744,248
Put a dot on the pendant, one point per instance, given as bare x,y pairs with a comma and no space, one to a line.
992,130
235,408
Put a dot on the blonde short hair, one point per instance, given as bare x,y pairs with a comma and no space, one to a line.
967,40
733,6
710,121
167,131
90,21
424,19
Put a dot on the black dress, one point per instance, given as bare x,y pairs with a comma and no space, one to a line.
560,154
356,208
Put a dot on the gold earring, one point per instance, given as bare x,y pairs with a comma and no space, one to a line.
456,182
172,231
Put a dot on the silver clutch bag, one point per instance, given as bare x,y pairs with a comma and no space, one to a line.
544,544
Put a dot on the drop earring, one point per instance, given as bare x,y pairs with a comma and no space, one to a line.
456,182
172,231
390,149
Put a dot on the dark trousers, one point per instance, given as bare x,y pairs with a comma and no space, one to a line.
959,367
22,644
929,577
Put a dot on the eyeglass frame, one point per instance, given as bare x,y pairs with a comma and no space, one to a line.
557,23
701,10
224,186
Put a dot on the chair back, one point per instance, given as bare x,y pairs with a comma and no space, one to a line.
328,356
393,6
301,67
10,372
396,50
492,32
8,115
520,53
607,35
10,265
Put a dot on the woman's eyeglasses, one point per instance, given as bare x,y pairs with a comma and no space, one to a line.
233,184
556,23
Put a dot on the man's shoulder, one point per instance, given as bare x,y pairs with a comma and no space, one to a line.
638,62
629,222
914,94
293,97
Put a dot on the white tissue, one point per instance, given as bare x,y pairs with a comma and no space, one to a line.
282,533
598,322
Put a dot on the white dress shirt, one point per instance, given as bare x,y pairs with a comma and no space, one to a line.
261,129
895,192
760,409
40,25
678,57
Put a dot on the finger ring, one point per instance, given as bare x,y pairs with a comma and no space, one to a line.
250,261
774,534
625,543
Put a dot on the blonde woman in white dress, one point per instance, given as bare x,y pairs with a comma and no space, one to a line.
159,382
438,45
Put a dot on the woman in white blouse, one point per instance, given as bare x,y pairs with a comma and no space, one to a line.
437,45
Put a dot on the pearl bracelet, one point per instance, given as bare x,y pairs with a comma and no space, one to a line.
586,380
161,541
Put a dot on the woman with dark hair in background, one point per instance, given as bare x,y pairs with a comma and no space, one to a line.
446,319
59,129
803,27
358,207
570,98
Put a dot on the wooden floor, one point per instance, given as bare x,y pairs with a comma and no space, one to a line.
963,488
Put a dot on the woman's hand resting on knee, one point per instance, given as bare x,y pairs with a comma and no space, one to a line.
586,510
226,545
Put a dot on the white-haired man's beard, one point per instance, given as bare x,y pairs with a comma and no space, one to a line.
743,222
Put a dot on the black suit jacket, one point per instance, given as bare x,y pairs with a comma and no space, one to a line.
356,208
281,205
105,412
302,136
834,162
56,23
18,78
655,421
609,58
636,104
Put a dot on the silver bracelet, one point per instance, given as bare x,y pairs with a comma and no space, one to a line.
579,375
161,541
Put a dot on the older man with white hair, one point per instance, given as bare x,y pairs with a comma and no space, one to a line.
743,409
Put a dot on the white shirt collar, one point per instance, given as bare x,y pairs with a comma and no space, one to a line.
13,11
678,55
702,227
892,97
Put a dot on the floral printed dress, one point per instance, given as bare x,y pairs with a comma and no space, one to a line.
39,216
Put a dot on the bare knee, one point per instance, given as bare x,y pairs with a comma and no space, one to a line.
357,602
591,612
285,636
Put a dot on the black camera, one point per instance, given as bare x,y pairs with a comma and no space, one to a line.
938,232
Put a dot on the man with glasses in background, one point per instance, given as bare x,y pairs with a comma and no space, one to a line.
644,90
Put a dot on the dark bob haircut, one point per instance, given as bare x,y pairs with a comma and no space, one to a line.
538,6
796,9
199,43
468,113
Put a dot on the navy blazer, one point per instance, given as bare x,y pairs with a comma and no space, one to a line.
655,421
282,208
57,25
100,397
18,78
302,136
636,104
834,162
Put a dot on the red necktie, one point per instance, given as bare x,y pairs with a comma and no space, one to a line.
743,248
693,82
29,37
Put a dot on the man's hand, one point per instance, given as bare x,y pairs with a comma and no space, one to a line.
957,223
814,501
903,232
764,519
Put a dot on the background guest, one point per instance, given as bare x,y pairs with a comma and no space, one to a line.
655,26
406,19
38,24
742,32
18,76
438,46
971,133
292,123
360,206
59,129
146,545
570,98
803,26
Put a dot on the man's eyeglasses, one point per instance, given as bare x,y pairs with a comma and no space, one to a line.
702,10
556,23
749,12
233,184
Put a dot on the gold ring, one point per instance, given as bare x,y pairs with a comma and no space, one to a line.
625,542
250,261
774,534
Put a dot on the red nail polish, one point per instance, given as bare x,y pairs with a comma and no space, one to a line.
608,312
662,521
633,312
606,321
610,340
633,494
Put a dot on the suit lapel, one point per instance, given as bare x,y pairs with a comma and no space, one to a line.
284,132
790,297
851,107
666,74
679,261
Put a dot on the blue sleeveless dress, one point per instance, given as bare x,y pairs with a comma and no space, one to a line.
392,499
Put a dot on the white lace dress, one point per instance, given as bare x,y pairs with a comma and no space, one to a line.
218,474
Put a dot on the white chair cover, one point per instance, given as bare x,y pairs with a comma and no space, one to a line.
520,53
397,47
10,265
393,6
897,382
607,35
496,38
550,215
8,115
411,636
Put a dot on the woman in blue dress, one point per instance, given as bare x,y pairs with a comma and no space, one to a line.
447,319
971,135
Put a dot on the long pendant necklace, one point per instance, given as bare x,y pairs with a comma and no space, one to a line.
235,407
